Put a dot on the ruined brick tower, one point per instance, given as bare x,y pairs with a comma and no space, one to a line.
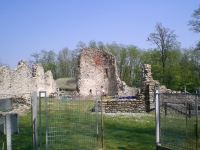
98,68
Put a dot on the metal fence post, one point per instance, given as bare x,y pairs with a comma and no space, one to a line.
46,120
34,120
102,122
40,120
157,117
97,112
8,132
42,94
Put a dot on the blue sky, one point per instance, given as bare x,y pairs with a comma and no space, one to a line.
29,26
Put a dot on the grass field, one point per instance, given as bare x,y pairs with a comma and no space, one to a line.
129,131
121,131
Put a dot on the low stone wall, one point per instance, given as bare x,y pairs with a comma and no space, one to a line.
122,106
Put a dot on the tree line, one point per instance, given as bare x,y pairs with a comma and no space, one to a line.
175,68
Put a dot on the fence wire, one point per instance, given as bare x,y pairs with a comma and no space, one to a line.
178,121
70,124
41,123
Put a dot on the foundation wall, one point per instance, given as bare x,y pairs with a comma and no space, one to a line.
122,106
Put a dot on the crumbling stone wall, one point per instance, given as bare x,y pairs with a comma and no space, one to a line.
148,87
146,77
21,81
122,106
5,76
38,77
98,68
50,84
43,81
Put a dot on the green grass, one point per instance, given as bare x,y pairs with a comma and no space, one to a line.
121,131
129,132
22,140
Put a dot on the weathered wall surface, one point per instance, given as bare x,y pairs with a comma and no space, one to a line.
122,106
23,80
4,76
50,84
98,68
148,86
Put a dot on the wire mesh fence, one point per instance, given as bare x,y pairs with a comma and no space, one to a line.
67,123
178,121
61,123
41,122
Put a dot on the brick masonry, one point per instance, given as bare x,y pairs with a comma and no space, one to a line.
98,68
122,106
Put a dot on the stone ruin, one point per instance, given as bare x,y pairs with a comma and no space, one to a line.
148,86
144,100
22,80
18,83
98,68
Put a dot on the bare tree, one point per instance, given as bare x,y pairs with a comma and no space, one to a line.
165,39
195,23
